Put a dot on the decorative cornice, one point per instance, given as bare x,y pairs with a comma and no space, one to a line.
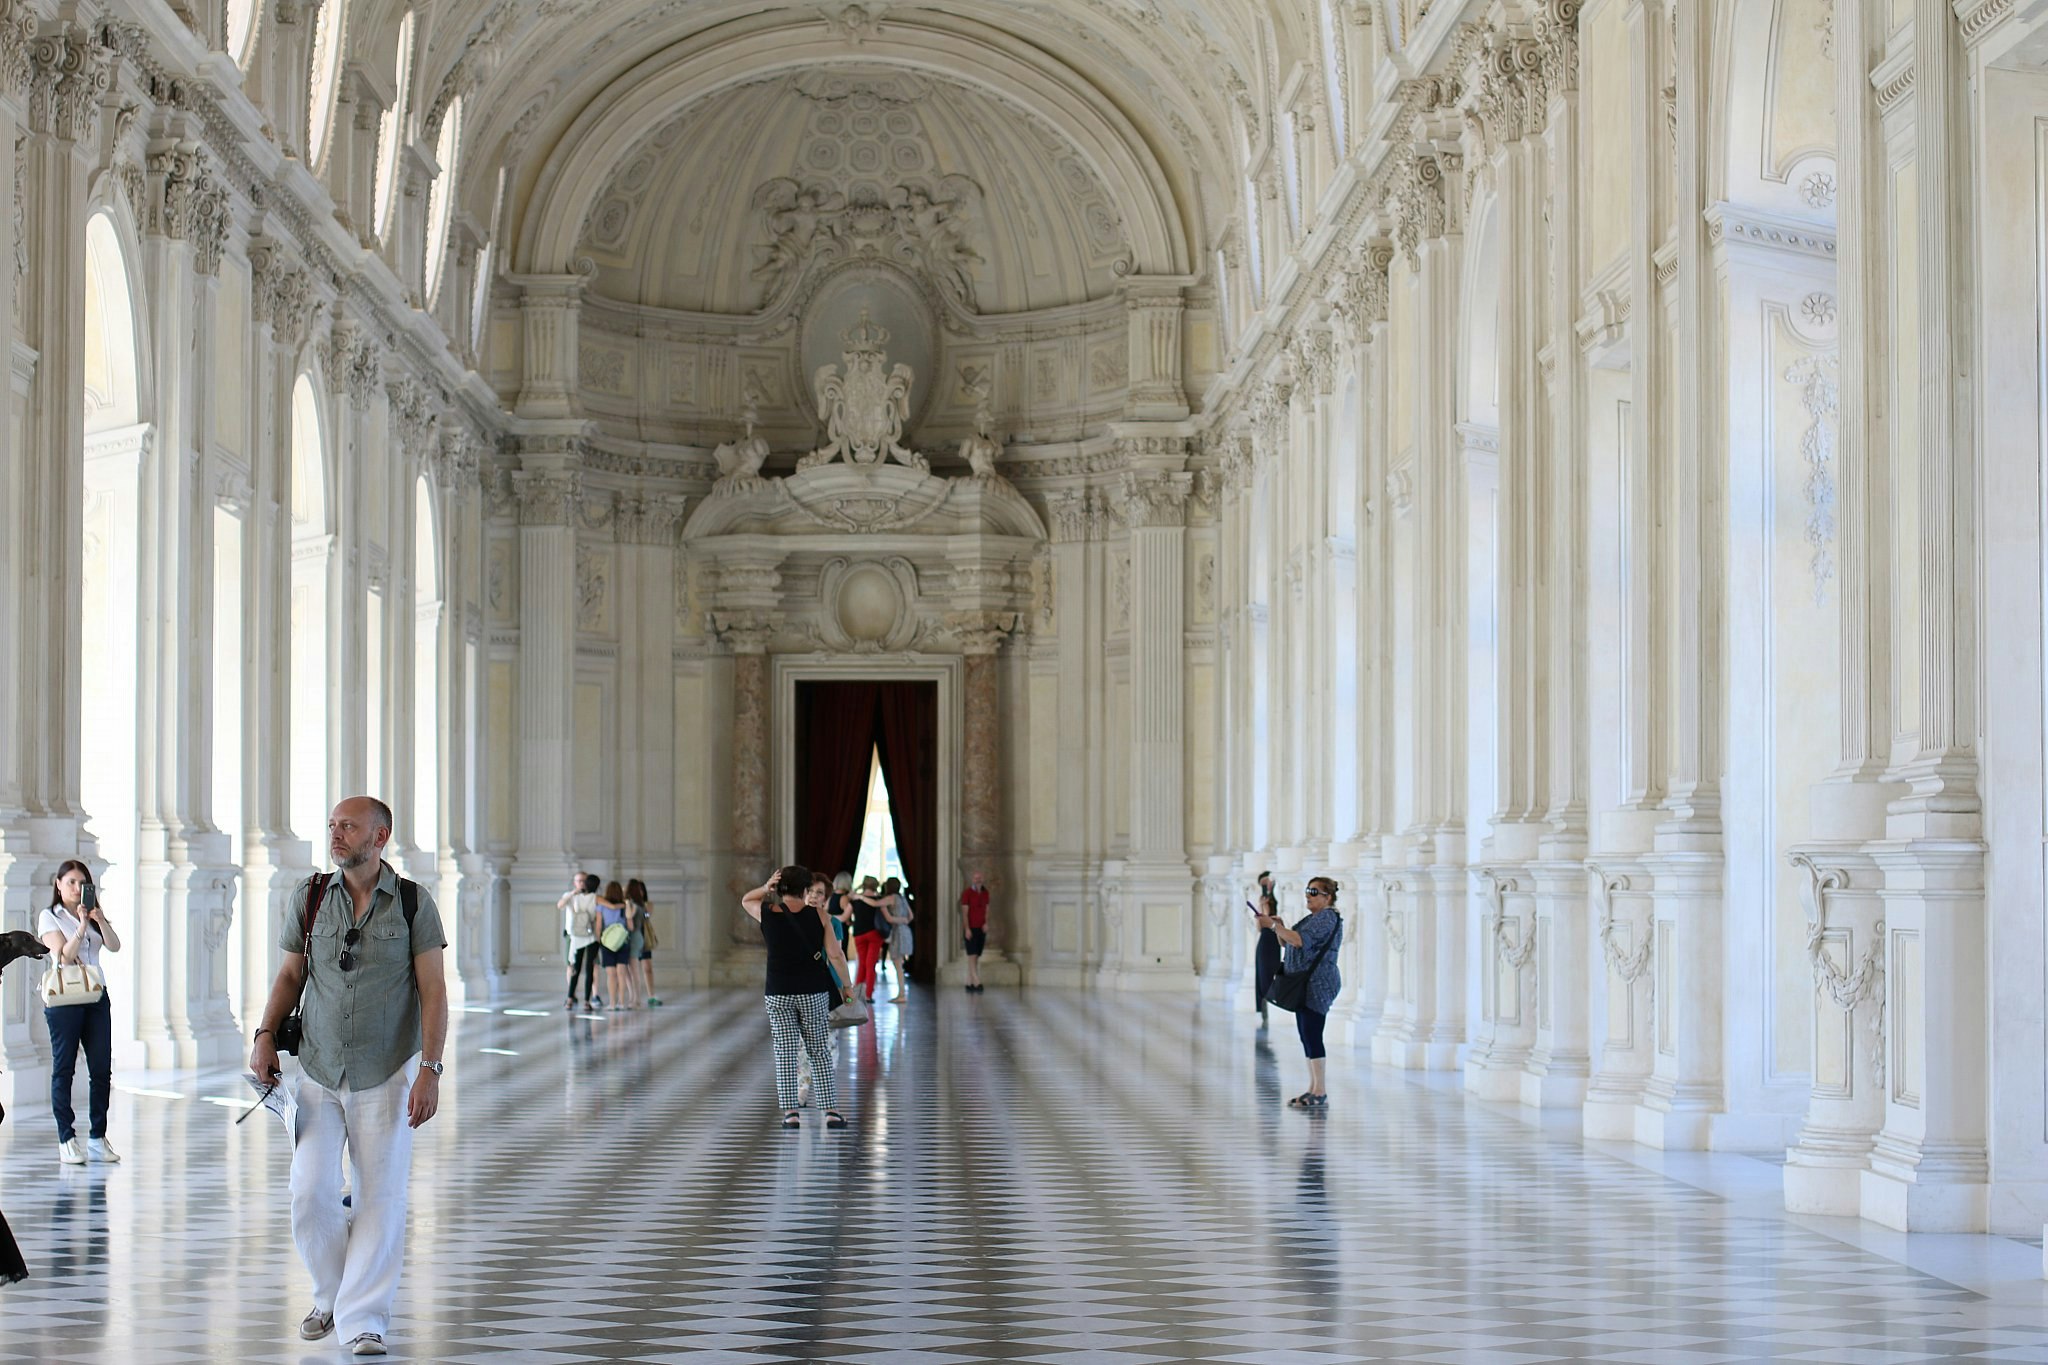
1979,17
1735,224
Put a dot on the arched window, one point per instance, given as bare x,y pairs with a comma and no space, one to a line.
391,130
1254,245
241,30
426,673
116,451
1290,170
1333,78
441,199
326,87
312,548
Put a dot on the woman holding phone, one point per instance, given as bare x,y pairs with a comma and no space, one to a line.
798,992
1266,957
76,930
1311,945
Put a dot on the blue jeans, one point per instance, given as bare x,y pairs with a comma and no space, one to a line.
93,1026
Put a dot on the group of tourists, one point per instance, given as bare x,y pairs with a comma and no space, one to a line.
609,927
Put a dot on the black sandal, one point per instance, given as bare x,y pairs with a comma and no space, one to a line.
1302,1101
834,1119
790,1120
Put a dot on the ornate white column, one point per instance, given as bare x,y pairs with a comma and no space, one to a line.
1930,1169
1685,1091
1619,880
549,486
1425,876
1561,1064
184,888
1156,948
645,525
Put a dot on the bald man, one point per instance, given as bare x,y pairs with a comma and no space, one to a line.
362,958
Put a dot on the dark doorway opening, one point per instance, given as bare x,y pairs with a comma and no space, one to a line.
840,728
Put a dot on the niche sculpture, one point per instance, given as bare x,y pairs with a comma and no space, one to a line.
864,406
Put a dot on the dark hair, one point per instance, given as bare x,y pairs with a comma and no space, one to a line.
1328,884
68,865
818,879
614,893
793,880
636,891
891,887
589,883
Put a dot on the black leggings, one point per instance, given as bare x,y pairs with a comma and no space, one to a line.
585,962
1309,1024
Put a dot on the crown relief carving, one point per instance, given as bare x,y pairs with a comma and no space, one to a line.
864,406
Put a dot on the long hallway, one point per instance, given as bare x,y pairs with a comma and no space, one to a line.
1034,1177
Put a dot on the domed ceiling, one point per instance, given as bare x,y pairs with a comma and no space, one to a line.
731,205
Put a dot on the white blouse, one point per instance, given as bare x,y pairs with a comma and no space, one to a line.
57,920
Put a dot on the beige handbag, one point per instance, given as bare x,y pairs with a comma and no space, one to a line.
76,984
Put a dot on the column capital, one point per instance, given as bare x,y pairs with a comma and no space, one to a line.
745,632
547,497
648,519
18,23
981,632
70,72
1156,500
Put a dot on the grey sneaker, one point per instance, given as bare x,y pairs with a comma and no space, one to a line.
316,1325
368,1344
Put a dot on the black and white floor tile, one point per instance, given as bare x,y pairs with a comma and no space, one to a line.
1036,1177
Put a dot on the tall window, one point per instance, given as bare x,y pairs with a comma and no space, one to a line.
441,199
1254,244
1333,78
312,548
391,131
241,30
426,674
326,88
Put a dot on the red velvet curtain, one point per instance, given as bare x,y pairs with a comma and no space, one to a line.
908,736
835,743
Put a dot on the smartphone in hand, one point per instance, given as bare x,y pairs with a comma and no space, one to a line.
88,898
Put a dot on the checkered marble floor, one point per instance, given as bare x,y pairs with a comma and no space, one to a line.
1028,1177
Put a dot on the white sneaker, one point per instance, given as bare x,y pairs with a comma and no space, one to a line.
316,1325
71,1152
368,1344
100,1150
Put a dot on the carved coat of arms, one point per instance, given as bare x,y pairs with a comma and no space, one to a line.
865,407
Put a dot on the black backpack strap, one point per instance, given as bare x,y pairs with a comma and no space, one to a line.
409,897
316,896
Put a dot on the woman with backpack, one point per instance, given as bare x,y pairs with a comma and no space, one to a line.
640,947
579,927
1311,946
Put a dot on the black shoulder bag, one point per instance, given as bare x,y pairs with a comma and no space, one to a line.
1290,989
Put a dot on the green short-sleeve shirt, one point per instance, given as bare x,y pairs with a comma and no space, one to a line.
362,1024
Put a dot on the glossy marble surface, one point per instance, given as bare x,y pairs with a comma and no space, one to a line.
1034,1177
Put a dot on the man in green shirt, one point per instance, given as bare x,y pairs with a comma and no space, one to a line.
364,965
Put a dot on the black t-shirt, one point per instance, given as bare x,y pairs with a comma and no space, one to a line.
796,951
865,918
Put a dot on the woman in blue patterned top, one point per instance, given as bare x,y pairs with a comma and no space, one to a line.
1313,942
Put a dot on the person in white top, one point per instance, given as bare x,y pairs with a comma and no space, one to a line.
579,924
75,929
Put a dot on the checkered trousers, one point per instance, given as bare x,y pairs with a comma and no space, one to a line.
804,1020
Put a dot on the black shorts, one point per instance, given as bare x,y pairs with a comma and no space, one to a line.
977,939
613,957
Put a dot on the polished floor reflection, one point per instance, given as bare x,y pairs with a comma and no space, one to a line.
1034,1177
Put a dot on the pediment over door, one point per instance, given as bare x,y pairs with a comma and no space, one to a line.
865,559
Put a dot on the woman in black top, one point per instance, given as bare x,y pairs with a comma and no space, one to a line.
798,991
1266,959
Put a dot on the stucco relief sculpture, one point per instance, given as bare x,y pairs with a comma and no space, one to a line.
980,450
739,462
864,407
922,224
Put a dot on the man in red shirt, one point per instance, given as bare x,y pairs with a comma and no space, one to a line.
974,913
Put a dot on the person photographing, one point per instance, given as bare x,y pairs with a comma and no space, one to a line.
1309,983
75,929
363,963
798,993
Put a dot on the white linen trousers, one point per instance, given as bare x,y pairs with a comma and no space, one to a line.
355,1262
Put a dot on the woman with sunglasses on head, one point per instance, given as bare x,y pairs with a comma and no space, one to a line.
1312,943
75,932
798,992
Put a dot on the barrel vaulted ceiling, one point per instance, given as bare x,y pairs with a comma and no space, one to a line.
1100,137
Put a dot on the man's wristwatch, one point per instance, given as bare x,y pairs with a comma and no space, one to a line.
436,1067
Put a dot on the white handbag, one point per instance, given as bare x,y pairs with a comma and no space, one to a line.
76,984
